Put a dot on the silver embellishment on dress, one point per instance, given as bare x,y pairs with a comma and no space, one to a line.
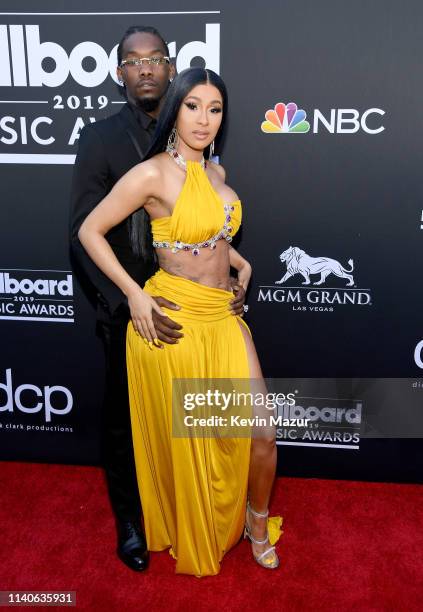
178,245
179,159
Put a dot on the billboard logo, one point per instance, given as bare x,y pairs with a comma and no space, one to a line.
28,54
333,423
36,295
285,118
288,119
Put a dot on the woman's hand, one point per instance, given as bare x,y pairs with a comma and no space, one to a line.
244,275
237,304
242,266
141,306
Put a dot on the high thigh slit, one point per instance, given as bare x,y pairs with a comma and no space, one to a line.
193,489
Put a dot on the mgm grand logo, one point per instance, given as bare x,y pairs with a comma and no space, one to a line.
319,299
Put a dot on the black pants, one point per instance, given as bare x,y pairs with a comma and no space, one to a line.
117,447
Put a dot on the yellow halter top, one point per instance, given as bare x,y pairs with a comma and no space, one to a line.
200,217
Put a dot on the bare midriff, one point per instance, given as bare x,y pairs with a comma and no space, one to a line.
209,267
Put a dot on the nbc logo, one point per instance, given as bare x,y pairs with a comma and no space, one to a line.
289,119
285,119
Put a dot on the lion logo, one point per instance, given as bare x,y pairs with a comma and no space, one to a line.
298,262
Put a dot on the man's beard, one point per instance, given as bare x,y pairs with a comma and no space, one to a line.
147,104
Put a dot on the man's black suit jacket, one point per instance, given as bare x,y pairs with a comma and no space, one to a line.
107,150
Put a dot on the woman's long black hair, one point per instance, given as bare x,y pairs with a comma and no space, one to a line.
183,83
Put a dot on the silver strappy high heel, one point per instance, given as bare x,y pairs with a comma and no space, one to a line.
268,559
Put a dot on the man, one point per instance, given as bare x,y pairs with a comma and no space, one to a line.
107,150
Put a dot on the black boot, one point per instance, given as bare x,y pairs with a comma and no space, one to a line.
132,545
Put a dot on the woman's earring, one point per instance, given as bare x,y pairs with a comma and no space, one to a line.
211,149
171,142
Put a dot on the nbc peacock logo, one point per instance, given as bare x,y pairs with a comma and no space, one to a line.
285,119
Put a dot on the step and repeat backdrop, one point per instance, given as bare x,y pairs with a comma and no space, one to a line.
324,149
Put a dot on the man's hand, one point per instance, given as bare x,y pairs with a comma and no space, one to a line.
237,304
166,328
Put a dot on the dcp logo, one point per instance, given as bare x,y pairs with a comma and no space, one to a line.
55,400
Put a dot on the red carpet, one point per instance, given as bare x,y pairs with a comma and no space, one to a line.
346,546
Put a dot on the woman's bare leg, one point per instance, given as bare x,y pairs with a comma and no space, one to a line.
262,458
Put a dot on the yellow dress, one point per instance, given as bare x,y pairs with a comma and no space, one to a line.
193,489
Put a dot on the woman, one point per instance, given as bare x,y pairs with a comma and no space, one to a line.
193,489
